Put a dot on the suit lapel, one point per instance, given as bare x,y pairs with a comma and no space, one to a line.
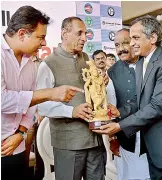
150,66
139,70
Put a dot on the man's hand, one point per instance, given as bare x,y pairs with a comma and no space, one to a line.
10,144
83,111
64,93
114,147
109,129
113,111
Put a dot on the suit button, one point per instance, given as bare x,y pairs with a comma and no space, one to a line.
128,90
128,101
128,80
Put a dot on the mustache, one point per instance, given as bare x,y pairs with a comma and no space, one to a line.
101,62
123,52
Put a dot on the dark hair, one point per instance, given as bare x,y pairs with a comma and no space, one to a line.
26,17
150,25
111,55
97,52
67,22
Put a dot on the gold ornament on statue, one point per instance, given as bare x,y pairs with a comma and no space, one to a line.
95,94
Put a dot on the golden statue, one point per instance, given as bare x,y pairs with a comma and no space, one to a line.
95,94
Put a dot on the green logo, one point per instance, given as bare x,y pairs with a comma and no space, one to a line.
90,47
88,21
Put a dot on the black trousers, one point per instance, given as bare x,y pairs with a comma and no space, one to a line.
13,167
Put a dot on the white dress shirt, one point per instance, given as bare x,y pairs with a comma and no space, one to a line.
146,61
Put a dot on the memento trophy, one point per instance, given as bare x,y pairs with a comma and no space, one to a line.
95,94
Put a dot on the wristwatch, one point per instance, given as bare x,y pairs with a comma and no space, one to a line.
23,134
112,138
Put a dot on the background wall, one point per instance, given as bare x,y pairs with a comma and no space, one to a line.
107,14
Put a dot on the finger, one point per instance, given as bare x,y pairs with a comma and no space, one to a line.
105,126
88,111
86,116
10,153
72,93
100,131
83,117
5,146
5,152
76,89
87,105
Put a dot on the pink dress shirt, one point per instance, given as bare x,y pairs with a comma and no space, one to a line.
17,85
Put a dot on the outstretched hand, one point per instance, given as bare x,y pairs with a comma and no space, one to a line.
65,93
108,129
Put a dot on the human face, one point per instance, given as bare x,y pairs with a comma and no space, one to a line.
122,45
76,38
140,43
100,60
110,61
35,40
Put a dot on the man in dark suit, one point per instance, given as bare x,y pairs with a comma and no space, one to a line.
129,165
146,37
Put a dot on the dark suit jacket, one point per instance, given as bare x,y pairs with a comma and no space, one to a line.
148,118
124,82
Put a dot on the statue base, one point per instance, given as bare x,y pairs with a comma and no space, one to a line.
96,124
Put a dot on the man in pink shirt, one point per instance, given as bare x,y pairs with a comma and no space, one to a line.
24,36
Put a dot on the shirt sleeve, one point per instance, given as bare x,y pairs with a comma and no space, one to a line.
14,101
46,79
27,119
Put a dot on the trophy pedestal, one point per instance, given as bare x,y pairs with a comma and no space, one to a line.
97,124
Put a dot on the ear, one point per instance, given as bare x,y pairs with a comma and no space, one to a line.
21,34
64,33
153,38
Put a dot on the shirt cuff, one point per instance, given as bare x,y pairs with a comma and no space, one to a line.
68,112
25,98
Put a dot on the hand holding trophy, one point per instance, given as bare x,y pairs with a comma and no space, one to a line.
95,94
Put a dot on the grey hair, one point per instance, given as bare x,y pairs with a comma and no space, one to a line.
67,23
150,25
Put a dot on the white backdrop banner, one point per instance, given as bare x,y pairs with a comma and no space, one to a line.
102,20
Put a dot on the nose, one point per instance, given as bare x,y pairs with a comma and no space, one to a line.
132,42
121,47
43,43
84,37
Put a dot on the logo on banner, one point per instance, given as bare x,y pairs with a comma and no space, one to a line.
109,48
90,47
88,21
88,8
110,11
90,34
111,36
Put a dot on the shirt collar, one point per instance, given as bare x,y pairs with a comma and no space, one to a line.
147,58
4,44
